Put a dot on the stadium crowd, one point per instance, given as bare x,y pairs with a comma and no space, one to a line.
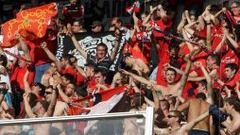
188,73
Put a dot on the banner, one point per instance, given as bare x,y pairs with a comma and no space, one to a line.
30,23
88,41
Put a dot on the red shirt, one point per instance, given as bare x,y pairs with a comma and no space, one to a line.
229,57
232,83
162,26
93,88
70,70
136,52
37,54
18,75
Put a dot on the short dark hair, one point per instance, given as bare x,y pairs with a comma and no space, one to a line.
80,21
201,96
171,69
42,87
203,82
232,66
32,99
118,20
216,57
3,58
214,9
126,55
102,45
101,71
82,90
174,47
69,77
234,101
91,64
68,56
45,104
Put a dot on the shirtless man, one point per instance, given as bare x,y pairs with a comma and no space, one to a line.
41,109
172,86
195,108
232,108
174,122
136,64
61,107
198,106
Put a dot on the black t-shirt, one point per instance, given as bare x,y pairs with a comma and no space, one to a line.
103,64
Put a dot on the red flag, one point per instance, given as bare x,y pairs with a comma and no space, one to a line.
109,93
9,30
37,19
137,53
30,23
135,7
105,94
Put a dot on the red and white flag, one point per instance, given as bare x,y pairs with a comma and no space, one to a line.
135,7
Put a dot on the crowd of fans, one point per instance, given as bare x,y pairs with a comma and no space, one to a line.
194,87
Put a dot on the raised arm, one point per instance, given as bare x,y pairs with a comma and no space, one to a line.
27,87
182,23
186,13
189,45
52,104
179,71
23,46
145,21
155,99
143,80
50,55
184,77
234,44
209,82
81,71
64,97
78,46
208,21
27,106
135,19
138,78
116,45
219,47
163,13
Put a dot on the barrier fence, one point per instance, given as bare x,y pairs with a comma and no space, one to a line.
140,123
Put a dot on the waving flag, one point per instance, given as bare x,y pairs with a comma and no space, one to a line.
30,23
9,30
135,7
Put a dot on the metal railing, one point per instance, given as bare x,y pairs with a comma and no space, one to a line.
142,119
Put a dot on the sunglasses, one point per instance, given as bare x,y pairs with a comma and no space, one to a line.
47,93
171,116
